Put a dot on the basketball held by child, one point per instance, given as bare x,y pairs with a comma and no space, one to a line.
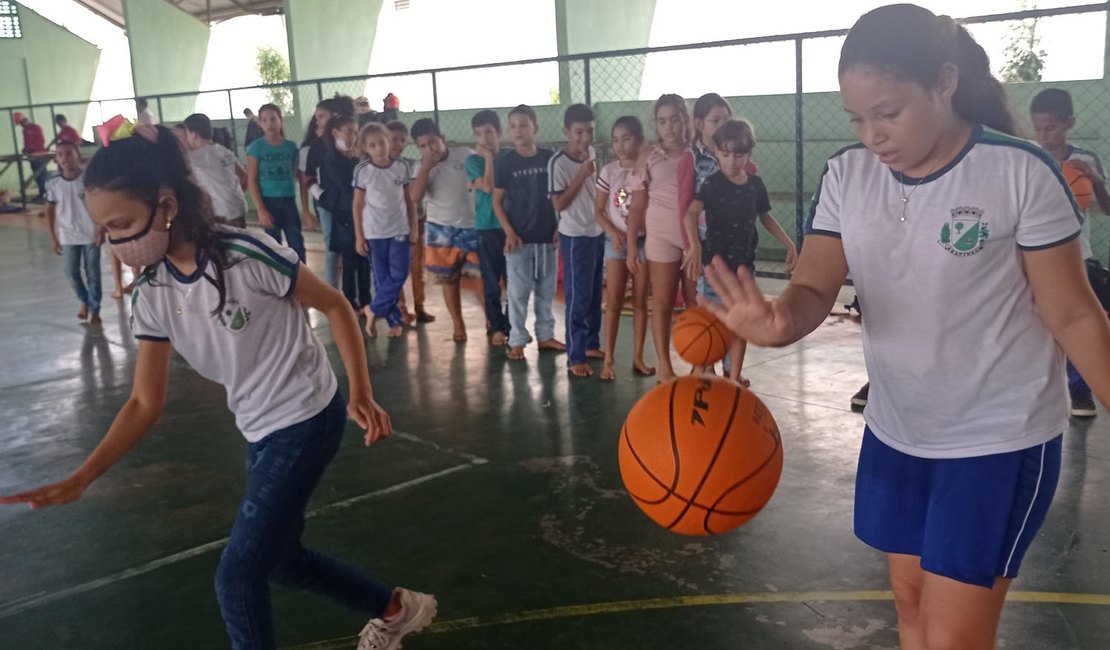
700,338
1079,184
700,455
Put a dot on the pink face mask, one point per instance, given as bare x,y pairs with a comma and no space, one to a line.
145,248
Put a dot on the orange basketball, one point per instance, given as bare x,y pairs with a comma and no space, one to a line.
700,338
700,455
1080,185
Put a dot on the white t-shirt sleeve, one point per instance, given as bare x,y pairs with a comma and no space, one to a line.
824,212
302,159
52,190
558,178
1048,216
270,267
603,182
143,323
360,178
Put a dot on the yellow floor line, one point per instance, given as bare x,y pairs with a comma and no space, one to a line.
616,607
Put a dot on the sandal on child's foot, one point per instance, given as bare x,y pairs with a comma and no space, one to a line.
424,317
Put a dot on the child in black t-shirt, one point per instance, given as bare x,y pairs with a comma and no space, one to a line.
732,199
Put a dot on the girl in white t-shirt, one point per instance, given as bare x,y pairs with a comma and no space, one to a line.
614,193
962,243
221,297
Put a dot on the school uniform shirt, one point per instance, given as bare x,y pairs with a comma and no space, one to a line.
524,181
259,346
730,214
214,167
383,212
448,200
960,362
615,183
275,167
72,222
1091,158
579,219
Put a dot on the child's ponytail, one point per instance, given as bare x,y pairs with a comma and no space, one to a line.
143,165
913,43
980,97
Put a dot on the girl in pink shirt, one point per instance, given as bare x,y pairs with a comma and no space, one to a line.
655,208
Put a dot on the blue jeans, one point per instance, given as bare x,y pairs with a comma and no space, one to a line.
390,259
88,289
331,258
283,470
287,220
491,260
532,268
583,271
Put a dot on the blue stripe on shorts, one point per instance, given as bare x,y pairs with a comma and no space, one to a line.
968,519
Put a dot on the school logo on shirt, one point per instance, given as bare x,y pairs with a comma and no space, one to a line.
965,233
235,317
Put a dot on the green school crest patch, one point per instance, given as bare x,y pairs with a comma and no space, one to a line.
965,233
234,316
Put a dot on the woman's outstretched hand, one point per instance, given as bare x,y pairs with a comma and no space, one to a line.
743,307
55,494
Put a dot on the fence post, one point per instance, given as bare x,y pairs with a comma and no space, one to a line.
799,146
231,118
435,99
161,116
54,121
319,92
586,81
18,160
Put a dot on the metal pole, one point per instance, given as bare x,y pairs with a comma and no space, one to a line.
586,80
319,92
799,148
435,99
18,160
161,116
231,118
54,122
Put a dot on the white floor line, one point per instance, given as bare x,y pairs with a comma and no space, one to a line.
20,605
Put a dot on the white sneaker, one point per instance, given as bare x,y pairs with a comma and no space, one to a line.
417,612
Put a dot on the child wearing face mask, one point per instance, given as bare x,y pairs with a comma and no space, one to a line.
337,171
384,220
221,297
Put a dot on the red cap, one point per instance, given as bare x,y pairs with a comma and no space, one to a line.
392,102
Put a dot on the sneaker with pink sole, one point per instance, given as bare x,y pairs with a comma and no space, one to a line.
417,612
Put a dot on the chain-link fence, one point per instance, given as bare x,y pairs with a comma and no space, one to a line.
792,102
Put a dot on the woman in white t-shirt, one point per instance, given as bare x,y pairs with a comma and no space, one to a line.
232,305
962,243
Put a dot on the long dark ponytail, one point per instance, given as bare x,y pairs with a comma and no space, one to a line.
141,168
913,43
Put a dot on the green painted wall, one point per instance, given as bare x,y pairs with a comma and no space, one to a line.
332,43
48,64
592,26
156,68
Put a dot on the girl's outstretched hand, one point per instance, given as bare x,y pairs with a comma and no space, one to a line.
56,494
370,416
743,307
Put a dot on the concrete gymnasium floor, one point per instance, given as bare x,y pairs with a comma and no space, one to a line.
500,493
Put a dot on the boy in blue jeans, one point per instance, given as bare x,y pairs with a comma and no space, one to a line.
1053,116
581,239
491,238
76,238
528,219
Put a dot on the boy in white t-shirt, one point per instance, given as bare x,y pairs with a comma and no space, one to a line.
451,248
76,237
1053,116
570,180
398,140
218,172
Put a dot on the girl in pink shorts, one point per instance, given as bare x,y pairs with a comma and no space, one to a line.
655,208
